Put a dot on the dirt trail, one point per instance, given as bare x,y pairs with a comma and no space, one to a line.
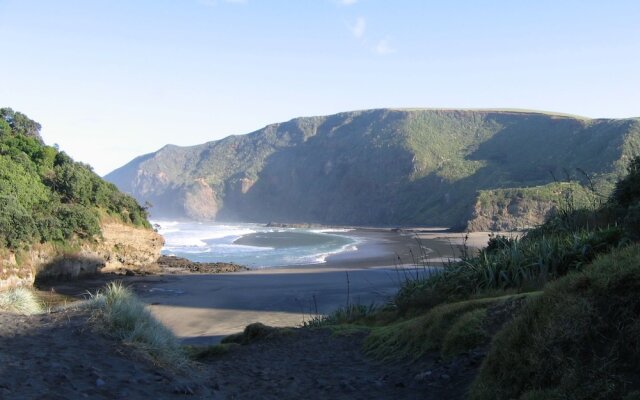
57,356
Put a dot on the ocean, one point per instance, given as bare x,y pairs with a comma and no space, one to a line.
253,245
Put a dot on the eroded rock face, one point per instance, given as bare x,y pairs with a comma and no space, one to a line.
121,247
516,215
200,201
125,246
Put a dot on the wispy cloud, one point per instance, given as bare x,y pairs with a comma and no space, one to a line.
358,28
347,2
384,47
214,2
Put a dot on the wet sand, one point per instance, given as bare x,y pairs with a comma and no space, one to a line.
202,308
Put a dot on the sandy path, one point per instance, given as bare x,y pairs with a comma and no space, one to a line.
58,356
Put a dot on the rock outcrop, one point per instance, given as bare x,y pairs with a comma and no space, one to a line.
122,247
518,214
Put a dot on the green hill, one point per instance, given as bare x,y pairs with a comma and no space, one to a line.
45,196
57,217
385,167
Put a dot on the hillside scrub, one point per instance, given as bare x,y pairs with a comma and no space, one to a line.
579,339
519,264
450,328
566,242
575,339
45,196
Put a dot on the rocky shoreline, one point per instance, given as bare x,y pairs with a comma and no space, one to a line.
178,265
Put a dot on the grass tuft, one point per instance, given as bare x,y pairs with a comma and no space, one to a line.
20,301
119,313
454,324
466,333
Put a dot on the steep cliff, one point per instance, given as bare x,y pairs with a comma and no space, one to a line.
378,167
523,208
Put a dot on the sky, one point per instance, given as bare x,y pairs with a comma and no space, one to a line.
110,80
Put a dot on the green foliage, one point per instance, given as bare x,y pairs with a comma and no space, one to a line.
451,328
524,264
74,183
566,242
46,196
577,340
580,339
466,333
627,190
16,224
19,123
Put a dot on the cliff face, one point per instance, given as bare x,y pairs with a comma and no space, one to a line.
380,167
523,208
514,214
126,246
121,247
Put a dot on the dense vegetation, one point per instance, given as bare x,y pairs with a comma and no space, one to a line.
557,310
45,196
388,167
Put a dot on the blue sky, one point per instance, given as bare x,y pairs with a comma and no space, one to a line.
113,79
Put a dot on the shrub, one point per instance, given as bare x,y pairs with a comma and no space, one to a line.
627,189
20,301
452,328
520,264
120,314
16,224
580,339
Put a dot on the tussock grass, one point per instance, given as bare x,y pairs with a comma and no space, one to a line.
580,339
456,325
20,301
466,333
119,313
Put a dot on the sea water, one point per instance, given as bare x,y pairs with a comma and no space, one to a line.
252,245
